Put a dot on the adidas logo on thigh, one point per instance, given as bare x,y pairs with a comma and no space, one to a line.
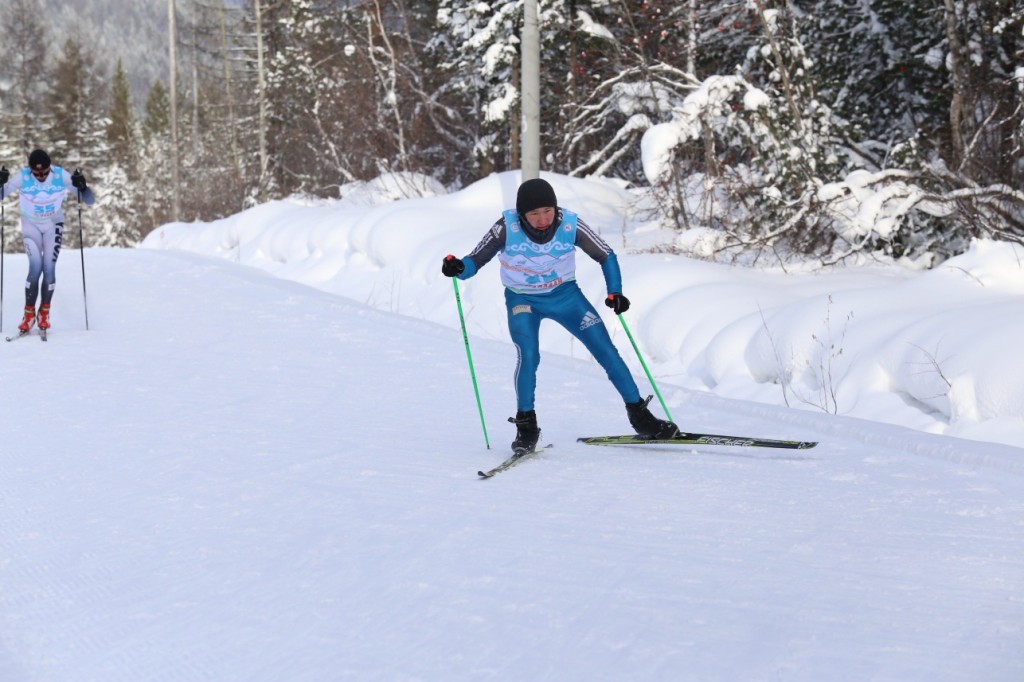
589,320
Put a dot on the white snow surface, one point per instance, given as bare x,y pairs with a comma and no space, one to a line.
890,343
233,476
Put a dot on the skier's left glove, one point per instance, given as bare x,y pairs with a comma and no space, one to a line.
78,180
5,175
617,302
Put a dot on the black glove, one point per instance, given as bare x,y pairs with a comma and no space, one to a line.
617,302
78,180
452,266
5,175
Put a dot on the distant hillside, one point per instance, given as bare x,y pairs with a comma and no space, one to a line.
135,32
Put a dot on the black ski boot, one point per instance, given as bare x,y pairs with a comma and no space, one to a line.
646,424
527,433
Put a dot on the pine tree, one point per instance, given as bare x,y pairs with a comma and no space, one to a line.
23,43
157,120
627,72
115,216
480,47
75,91
121,128
152,195
114,220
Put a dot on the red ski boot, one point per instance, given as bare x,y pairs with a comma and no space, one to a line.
44,317
30,319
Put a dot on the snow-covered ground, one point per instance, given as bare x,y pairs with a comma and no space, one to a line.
933,350
237,477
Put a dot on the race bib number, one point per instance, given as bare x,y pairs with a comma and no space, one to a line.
44,210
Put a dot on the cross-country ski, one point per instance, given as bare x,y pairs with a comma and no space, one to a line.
700,439
513,460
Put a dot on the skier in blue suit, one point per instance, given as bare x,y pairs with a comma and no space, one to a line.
43,189
536,245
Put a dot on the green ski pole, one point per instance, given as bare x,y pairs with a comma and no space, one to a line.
644,365
469,356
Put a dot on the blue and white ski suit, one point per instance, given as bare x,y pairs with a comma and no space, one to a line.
42,224
538,269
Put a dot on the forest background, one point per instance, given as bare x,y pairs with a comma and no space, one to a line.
822,129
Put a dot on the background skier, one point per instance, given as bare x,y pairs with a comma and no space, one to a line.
536,245
43,189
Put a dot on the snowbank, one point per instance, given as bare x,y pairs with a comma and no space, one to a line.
932,350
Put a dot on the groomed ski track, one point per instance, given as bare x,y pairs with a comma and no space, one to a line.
232,477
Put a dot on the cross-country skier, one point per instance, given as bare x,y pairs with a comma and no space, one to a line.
43,189
536,245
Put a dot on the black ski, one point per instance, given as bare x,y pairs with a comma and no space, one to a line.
700,439
515,459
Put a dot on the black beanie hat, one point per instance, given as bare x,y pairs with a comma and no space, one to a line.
534,194
38,160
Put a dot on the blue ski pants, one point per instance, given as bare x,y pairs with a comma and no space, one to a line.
567,306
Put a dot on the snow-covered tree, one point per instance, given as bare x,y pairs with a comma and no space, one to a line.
780,124
620,91
23,43
157,118
223,113
76,98
121,133
480,47
152,183
832,91
311,96
114,219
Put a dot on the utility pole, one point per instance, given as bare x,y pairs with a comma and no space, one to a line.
530,103
261,84
175,173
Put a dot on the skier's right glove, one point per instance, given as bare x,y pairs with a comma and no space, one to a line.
617,302
452,266
5,175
